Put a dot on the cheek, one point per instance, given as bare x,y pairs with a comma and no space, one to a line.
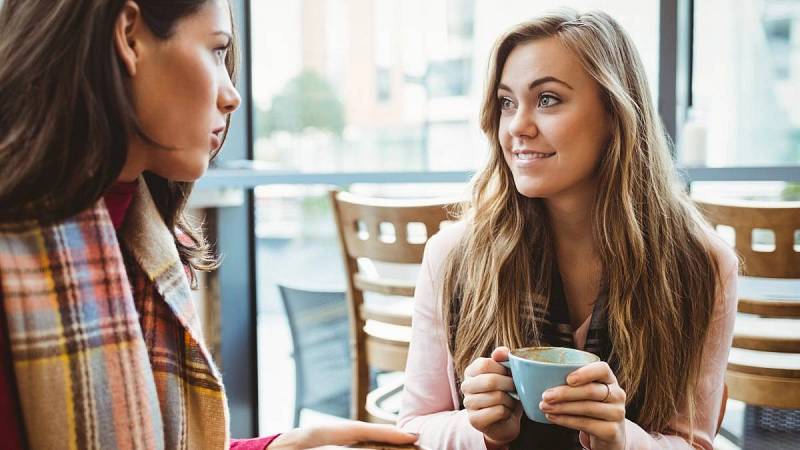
175,100
504,137
580,138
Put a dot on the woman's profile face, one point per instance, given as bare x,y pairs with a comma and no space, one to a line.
553,125
181,91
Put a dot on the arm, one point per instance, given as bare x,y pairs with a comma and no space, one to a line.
429,396
252,444
708,395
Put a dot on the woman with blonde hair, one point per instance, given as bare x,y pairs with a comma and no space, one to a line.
579,235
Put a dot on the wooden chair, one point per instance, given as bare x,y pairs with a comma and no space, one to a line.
764,365
382,231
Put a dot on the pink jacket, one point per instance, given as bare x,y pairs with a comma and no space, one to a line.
430,400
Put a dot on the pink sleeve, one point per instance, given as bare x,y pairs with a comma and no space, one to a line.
430,400
252,444
708,395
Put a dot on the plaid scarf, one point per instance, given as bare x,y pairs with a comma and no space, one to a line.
106,345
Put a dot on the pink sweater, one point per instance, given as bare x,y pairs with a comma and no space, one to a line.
430,400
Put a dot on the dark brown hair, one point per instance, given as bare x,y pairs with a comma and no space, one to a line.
66,112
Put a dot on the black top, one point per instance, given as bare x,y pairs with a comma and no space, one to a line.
556,330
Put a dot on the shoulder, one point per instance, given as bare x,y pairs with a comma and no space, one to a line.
724,255
443,242
727,262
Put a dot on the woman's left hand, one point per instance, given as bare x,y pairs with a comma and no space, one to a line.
592,402
340,433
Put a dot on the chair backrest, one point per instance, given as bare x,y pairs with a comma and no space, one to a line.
765,236
782,219
390,231
318,322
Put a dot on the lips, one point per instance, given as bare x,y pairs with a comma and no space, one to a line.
530,155
216,137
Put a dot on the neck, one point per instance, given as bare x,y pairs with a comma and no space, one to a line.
571,219
135,162
128,176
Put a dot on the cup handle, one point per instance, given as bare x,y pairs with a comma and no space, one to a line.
507,365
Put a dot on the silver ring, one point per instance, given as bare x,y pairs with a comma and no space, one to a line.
608,392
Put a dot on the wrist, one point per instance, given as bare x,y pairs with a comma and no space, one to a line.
289,440
491,444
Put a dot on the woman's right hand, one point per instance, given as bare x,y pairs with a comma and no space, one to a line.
491,410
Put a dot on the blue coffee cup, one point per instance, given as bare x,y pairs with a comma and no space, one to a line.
537,369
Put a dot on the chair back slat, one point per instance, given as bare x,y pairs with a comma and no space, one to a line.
366,214
780,218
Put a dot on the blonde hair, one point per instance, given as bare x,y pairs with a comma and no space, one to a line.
660,271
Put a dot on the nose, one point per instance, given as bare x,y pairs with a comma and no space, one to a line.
229,99
523,124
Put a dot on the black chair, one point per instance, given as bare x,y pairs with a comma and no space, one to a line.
320,331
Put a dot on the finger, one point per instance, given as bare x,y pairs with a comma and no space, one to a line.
383,433
484,418
601,429
610,412
593,391
488,399
487,383
484,365
500,354
594,372
334,447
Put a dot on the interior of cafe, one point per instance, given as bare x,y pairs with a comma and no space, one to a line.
361,135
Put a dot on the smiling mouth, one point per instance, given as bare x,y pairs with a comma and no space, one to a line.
528,156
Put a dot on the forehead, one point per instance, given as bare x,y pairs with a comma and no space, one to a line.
539,58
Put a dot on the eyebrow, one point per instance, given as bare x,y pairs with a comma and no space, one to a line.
537,82
224,33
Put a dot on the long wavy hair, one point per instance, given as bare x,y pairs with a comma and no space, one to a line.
66,112
661,274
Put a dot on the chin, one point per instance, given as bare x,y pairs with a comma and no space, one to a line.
184,174
532,190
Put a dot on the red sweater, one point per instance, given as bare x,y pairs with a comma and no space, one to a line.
118,199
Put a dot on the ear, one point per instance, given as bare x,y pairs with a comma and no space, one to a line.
127,36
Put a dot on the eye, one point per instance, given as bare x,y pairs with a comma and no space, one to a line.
506,103
221,52
548,100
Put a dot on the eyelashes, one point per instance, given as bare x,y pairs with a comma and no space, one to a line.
545,100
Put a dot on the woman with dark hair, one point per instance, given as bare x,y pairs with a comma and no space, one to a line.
109,111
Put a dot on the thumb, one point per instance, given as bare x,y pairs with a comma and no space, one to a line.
500,354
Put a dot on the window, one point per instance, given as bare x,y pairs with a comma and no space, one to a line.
389,85
746,85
